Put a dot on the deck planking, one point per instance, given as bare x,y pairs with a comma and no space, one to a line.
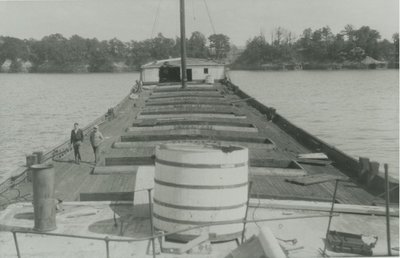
73,179
194,120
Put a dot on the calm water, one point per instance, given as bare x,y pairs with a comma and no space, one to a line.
357,111
37,111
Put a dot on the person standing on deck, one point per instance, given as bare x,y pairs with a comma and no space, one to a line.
139,85
76,141
137,88
96,138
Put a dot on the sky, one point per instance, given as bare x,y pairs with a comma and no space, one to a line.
239,19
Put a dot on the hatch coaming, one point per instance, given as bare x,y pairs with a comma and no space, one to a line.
271,163
268,144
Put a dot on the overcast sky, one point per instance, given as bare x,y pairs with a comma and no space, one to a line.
239,19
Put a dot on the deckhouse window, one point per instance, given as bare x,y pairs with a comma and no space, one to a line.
205,70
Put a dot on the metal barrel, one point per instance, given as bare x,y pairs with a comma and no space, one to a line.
39,155
199,184
44,205
30,160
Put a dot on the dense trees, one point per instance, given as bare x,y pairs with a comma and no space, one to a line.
11,48
55,53
219,45
318,49
196,46
255,54
396,48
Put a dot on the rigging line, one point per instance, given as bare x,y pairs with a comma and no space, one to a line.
194,15
155,19
177,21
209,16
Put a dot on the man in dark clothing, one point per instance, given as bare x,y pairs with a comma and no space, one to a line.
76,141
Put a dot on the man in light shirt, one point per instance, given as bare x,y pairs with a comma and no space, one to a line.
96,138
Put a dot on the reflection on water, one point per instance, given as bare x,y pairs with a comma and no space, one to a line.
356,111
37,111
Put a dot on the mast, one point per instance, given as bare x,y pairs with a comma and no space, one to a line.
183,43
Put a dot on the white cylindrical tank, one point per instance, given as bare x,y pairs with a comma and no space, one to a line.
197,184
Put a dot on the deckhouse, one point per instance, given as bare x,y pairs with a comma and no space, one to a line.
169,70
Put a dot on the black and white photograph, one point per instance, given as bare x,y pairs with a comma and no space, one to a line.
199,128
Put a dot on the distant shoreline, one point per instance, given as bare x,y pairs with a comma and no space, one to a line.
316,67
319,49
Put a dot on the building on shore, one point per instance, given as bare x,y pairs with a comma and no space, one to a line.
169,70
371,63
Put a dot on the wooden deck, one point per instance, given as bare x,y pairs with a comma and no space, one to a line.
192,115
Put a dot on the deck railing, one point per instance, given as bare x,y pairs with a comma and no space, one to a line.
60,150
340,159
63,148
106,239
153,235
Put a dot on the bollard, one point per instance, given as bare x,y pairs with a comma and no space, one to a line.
39,155
272,113
43,197
364,166
30,160
110,114
374,170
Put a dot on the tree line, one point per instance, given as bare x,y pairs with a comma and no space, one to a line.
319,49
55,53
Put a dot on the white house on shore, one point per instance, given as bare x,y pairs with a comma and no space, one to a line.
169,70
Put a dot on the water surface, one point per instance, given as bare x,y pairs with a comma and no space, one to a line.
38,110
356,111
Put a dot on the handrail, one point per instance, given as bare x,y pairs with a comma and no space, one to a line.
158,235
163,234
64,147
58,150
153,236
340,159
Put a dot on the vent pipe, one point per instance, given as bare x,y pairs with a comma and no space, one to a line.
44,205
